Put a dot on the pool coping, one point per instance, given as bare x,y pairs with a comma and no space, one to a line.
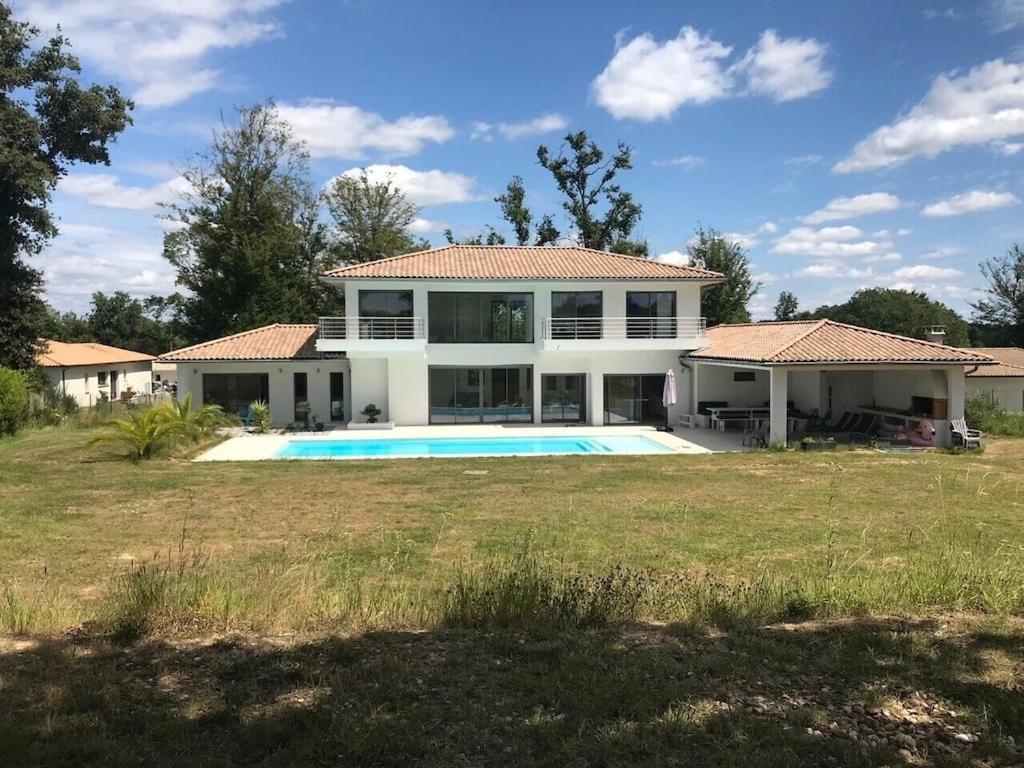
249,447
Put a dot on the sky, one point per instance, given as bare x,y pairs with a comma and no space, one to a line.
845,145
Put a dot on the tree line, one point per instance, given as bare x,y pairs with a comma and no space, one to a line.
250,236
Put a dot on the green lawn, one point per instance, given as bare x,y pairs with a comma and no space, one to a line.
550,611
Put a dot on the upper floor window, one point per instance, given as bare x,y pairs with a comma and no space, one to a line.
576,314
385,315
480,318
650,314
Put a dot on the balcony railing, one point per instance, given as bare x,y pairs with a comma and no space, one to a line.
371,328
583,328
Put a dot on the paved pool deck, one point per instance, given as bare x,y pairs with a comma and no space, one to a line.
250,447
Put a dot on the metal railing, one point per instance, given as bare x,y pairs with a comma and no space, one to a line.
624,327
371,328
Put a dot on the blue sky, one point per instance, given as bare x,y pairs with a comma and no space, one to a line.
845,144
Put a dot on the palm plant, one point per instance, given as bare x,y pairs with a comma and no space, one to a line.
195,424
143,434
259,410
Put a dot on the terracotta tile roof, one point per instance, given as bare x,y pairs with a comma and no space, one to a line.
61,354
271,342
1010,363
825,341
520,262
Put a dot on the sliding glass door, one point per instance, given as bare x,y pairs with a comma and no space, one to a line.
563,397
481,395
651,314
634,399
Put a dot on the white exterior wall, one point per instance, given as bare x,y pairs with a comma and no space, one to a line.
1008,391
398,383
281,383
82,381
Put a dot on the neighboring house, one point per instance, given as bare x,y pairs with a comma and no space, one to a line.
1004,383
557,335
471,334
165,375
89,371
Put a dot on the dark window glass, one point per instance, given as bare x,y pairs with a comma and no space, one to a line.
337,396
235,391
563,397
743,376
385,315
300,384
634,399
576,314
650,314
474,318
475,395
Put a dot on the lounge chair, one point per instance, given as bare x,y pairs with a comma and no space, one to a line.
962,436
839,426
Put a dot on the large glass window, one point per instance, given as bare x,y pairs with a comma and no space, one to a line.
337,396
480,318
651,314
385,315
235,391
576,314
475,395
634,399
563,397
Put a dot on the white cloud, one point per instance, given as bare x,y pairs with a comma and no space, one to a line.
422,187
970,202
768,228
941,13
547,123
1005,15
943,252
673,257
344,131
158,47
803,160
785,68
852,207
926,272
745,240
105,190
421,226
647,80
1008,148
686,162
829,242
85,258
903,232
982,106
831,270
881,257
765,278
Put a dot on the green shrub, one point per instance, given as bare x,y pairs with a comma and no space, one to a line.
259,411
142,435
195,424
984,413
13,401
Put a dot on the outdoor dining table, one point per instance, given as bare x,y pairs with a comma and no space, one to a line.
722,416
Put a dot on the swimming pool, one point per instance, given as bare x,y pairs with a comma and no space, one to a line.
422,447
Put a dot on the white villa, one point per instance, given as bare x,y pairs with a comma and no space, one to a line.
1004,382
559,335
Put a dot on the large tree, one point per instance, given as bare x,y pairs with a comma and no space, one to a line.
603,214
516,213
250,247
48,122
123,321
727,302
786,307
907,313
1003,308
371,219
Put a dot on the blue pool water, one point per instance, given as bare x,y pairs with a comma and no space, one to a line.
463,446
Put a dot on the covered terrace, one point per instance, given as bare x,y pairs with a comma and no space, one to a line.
796,374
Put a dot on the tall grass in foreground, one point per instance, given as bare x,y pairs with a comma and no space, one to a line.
530,589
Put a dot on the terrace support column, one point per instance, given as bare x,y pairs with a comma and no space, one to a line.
777,399
956,393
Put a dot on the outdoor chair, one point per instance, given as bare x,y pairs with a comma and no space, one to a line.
756,435
839,426
962,436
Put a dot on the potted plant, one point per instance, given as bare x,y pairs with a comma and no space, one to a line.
371,412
